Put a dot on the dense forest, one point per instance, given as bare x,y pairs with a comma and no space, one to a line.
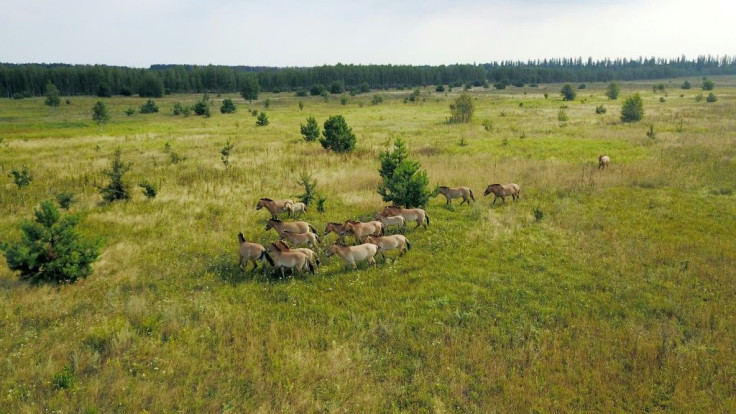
25,80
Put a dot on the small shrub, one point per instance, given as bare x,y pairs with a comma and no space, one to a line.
568,93
546,95
262,119
228,107
225,152
202,106
149,190
488,125
117,189
130,111
267,103
310,131
301,105
51,249
337,135
699,97
149,107
309,185
22,178
439,88
708,85
254,112
711,98
321,204
377,99
686,85
301,93
612,91
600,109
538,213
582,86
63,380
662,100
344,100
65,199
562,116
651,134
632,109
461,111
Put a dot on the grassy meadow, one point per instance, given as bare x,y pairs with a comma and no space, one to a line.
606,291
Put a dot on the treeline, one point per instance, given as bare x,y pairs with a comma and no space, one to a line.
21,80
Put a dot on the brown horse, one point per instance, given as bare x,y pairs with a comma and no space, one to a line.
603,161
391,221
311,255
292,226
309,239
285,257
409,214
252,252
353,254
395,241
459,192
275,207
336,228
502,191
361,230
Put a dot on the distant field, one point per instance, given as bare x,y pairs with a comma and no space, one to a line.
620,298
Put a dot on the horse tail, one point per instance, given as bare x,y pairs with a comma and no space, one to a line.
241,238
471,195
408,245
265,255
312,228
427,217
310,266
317,261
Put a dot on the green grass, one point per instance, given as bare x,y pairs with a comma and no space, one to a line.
619,299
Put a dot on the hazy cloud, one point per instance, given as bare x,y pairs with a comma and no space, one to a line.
297,33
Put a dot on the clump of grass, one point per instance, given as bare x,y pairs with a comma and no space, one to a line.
149,190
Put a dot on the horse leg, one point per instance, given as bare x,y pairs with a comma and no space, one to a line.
495,197
282,272
240,264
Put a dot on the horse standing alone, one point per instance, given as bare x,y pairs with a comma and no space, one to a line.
603,161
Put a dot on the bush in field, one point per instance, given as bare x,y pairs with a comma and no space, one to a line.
310,188
686,85
149,107
439,88
202,106
612,91
632,109
711,98
117,189
51,249
337,135
180,109
228,107
149,190
52,95
310,131
317,90
21,178
708,85
100,114
568,93
103,90
377,99
337,87
461,111
600,109
65,199
225,152
402,183
262,119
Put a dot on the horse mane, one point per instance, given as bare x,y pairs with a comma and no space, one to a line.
241,238
352,221
283,246
493,185
443,186
276,220
335,224
266,199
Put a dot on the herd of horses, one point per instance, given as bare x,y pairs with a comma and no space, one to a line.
371,237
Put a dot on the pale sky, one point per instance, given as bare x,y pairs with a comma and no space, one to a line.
139,33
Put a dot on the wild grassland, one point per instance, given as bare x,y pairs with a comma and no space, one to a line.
619,299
